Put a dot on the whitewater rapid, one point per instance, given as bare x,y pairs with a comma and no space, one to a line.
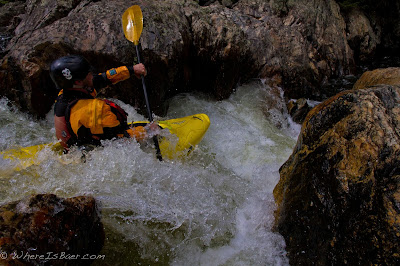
213,208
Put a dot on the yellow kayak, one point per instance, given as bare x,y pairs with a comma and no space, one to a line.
189,131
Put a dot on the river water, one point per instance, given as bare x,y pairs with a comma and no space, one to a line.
213,208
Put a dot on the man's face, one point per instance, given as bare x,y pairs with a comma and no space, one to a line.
88,81
87,84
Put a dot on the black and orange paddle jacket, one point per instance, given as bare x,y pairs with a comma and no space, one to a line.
81,119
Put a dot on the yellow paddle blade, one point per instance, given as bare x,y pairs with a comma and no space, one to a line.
132,23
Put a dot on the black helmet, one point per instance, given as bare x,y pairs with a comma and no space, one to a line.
65,70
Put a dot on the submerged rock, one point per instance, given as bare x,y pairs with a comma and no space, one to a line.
45,228
339,193
298,109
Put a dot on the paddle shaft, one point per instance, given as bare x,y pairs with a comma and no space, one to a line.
150,114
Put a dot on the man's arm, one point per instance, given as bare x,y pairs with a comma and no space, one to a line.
116,75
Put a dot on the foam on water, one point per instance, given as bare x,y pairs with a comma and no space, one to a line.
213,208
19,129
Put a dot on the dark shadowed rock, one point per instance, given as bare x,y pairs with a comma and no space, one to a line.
10,16
9,19
48,226
362,37
339,192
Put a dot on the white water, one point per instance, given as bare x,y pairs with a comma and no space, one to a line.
214,208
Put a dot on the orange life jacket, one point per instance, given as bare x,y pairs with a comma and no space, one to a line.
81,119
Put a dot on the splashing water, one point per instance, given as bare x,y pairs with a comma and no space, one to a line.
212,208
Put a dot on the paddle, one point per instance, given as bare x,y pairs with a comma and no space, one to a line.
132,23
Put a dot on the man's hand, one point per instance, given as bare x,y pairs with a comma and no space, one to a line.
139,70
152,129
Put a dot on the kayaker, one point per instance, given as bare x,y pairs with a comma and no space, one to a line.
80,118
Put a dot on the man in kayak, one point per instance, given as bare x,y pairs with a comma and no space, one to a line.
80,118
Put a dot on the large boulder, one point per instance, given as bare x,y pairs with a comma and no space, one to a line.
338,196
50,29
45,228
209,46
305,42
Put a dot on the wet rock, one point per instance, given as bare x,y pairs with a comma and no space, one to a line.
361,36
303,41
339,193
221,54
185,46
390,76
40,13
10,16
9,20
298,110
47,229
274,107
93,29
210,46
